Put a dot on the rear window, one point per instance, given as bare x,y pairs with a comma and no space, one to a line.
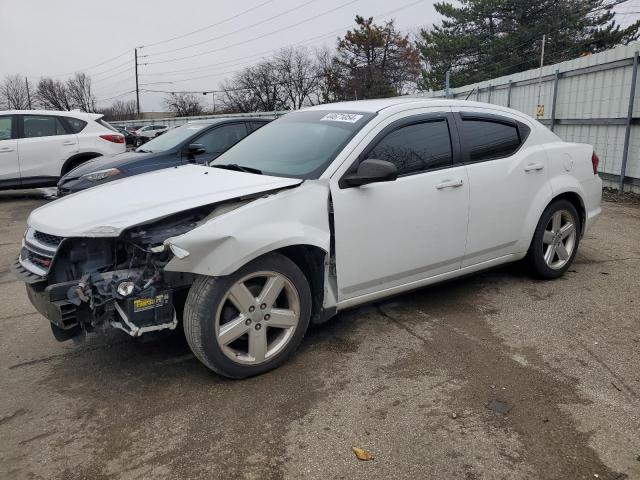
106,125
488,139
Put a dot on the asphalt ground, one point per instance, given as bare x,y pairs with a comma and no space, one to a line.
494,376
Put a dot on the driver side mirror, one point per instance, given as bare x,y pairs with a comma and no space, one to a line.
370,171
194,149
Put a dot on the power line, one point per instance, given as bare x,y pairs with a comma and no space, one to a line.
93,66
231,33
207,27
260,54
128,69
255,38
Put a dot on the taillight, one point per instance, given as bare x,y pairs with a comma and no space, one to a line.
113,138
595,161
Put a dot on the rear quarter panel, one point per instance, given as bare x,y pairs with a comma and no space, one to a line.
571,170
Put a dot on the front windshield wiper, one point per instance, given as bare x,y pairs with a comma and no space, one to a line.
238,168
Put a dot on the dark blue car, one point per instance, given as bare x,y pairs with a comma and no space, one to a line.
198,142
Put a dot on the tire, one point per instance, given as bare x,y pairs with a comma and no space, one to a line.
139,142
232,332
553,249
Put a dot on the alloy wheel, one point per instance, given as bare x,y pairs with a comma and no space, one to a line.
257,317
559,239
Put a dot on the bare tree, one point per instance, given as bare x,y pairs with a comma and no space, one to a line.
79,89
14,94
120,110
183,104
256,88
329,75
297,75
53,95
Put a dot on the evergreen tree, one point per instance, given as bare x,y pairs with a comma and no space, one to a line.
482,39
375,61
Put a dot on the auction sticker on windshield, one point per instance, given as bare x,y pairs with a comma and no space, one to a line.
341,117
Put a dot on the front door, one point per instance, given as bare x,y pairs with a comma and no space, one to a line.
394,233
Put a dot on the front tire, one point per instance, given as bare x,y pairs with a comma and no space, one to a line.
139,142
555,241
251,321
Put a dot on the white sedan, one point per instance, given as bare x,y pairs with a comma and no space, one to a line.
321,210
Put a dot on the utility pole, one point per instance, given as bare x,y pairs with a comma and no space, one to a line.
544,40
137,89
28,94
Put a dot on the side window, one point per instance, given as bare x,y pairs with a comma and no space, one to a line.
6,127
416,148
42,126
222,138
253,126
75,124
489,140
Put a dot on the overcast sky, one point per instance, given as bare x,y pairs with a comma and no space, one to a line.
57,38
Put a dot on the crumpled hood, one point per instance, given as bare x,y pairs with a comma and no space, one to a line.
107,210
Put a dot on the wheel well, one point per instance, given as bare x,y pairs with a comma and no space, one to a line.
577,202
311,261
76,160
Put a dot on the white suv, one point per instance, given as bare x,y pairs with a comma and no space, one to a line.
37,147
148,132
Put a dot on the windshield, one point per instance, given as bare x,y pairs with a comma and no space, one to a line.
172,138
299,145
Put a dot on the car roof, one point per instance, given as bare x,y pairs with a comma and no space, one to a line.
60,113
377,105
215,121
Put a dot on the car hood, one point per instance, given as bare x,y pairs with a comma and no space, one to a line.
121,160
106,210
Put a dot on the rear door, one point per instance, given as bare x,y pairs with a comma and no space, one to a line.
44,146
9,165
506,177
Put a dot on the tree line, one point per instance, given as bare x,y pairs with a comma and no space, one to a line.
476,40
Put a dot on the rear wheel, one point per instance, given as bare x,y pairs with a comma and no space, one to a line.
555,241
251,321
139,142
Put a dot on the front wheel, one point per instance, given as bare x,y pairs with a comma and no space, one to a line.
555,241
139,142
251,321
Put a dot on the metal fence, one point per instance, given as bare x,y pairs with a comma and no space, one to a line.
590,99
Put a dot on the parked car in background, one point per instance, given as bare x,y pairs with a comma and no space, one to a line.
37,147
129,137
321,210
197,142
146,133
133,128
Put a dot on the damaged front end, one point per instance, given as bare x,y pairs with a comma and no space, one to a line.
85,284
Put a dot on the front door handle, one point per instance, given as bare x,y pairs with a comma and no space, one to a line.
534,167
449,184
6,149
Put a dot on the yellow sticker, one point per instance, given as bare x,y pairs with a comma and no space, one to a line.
540,111
143,304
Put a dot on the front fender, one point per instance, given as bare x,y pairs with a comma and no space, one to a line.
299,216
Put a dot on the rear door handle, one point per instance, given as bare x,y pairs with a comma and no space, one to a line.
449,184
69,142
533,167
